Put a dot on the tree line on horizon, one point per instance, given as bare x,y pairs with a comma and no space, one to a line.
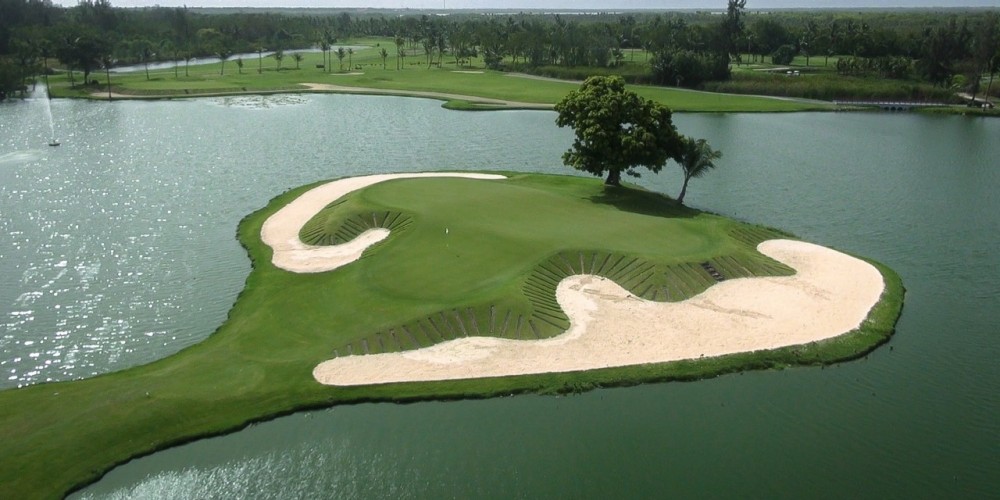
676,48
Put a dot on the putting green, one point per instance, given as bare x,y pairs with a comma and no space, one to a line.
461,255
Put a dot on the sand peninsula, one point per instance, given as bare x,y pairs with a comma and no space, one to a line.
830,294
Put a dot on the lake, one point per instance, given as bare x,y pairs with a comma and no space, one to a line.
119,248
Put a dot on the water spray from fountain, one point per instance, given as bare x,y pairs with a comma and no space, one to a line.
48,113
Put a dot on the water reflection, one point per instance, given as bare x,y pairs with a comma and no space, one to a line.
261,101
118,247
120,250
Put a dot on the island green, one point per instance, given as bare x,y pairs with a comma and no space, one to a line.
457,244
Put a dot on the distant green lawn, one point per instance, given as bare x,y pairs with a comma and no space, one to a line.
477,247
414,76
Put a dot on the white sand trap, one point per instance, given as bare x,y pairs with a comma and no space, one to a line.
352,73
281,230
468,72
830,294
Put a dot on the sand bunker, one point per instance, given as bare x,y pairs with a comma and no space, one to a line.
830,294
281,229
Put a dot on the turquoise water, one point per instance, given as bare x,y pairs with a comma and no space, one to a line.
158,188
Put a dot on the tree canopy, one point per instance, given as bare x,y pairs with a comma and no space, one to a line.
616,130
946,48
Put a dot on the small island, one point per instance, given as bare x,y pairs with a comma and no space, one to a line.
454,272
395,287
603,324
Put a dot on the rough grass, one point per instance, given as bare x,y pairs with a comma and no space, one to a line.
506,244
829,86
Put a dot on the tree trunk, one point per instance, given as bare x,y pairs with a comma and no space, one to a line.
107,74
989,87
975,87
684,188
614,178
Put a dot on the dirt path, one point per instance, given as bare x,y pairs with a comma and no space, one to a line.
500,103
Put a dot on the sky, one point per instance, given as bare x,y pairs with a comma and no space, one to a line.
582,5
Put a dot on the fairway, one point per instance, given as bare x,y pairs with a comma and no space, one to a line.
461,87
463,258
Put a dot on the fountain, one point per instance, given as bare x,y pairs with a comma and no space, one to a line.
48,113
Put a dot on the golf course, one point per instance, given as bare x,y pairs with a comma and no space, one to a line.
470,86
457,259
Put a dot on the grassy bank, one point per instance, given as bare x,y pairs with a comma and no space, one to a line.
57,437
365,70
755,87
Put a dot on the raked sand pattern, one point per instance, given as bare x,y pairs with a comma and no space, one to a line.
830,294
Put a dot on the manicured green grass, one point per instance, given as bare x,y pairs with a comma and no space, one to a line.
463,251
415,76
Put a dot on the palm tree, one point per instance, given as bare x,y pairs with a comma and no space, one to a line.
223,55
428,44
350,58
384,53
107,61
239,64
325,47
340,56
143,50
696,159
442,44
330,40
278,56
168,47
298,59
400,54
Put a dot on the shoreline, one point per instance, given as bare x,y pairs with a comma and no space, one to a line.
478,103
831,294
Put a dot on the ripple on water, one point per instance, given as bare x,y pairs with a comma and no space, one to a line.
20,157
332,467
260,101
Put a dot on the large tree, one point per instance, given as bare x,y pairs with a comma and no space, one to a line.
616,130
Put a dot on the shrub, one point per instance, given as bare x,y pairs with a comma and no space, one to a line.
783,55
685,68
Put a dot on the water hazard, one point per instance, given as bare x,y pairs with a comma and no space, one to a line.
120,244
118,248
